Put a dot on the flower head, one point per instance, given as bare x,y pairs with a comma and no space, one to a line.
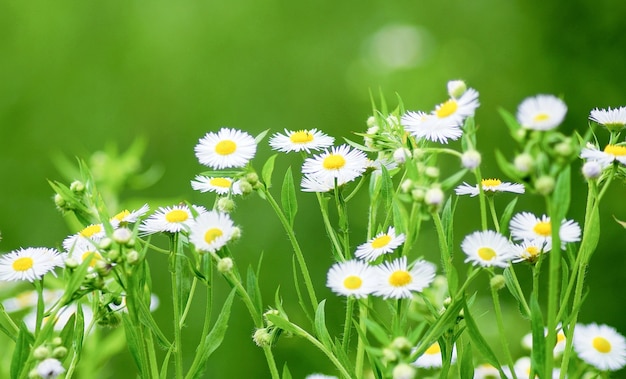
432,357
530,250
426,126
219,185
383,243
600,346
88,236
301,140
129,217
610,154
527,226
489,185
396,280
172,219
542,112
29,264
612,119
50,368
210,231
226,148
351,278
340,163
487,248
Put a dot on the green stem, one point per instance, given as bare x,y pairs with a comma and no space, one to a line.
347,325
501,330
207,270
329,227
360,349
446,258
178,356
481,198
40,305
554,281
192,291
494,214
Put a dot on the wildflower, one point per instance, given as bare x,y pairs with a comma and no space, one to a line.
425,126
489,185
226,148
312,184
522,369
530,250
85,252
600,346
172,219
487,248
486,371
396,280
455,110
471,159
29,264
351,278
378,164
340,163
613,119
210,231
542,112
129,217
88,236
220,185
526,225
403,371
300,140
50,368
432,357
610,154
383,243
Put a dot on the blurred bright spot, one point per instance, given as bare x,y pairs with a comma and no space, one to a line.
396,47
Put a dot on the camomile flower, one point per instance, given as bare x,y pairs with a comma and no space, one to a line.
527,226
486,371
210,231
432,357
351,278
340,163
600,346
172,219
219,185
226,148
522,369
530,250
300,140
129,217
489,185
29,264
85,252
383,243
88,236
314,184
426,126
396,280
49,368
612,119
542,112
487,248
610,154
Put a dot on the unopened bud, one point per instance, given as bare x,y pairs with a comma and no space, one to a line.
592,170
59,201
132,257
456,88
122,235
262,337
545,185
432,172
418,194
497,282
406,185
226,205
56,341
389,355
41,352
77,186
371,121
105,243
401,344
471,159
403,371
236,233
524,163
225,265
564,149
59,352
246,187
270,312
70,263
401,154
434,197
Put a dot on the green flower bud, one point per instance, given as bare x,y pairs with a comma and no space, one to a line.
262,337
564,149
77,187
59,201
252,178
545,185
402,344
432,172
41,352
404,371
456,88
225,204
246,187
59,352
225,265
497,282
524,163
132,257
105,243
122,235
389,355
70,263
56,341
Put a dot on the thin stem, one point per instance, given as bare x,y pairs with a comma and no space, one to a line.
443,245
494,214
347,325
192,291
554,281
178,356
481,198
360,349
502,330
329,227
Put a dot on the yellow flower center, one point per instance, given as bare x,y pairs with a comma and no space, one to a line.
433,349
486,253
446,109
220,182
91,230
120,216
93,256
543,228
334,162
601,344
212,234
352,282
176,215
23,264
490,182
381,241
225,147
560,336
533,251
615,150
541,117
301,136
400,278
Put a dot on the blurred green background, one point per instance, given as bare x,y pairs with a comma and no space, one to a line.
76,76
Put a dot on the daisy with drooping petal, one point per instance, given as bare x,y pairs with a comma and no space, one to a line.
313,184
600,346
489,185
612,119
487,248
210,231
542,112
426,126
226,148
396,280
89,236
219,185
610,154
383,243
340,163
432,357
351,278
527,226
300,140
28,264
128,217
169,219
530,250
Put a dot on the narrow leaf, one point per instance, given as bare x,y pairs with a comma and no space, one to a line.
538,353
21,352
268,169
479,342
320,326
288,197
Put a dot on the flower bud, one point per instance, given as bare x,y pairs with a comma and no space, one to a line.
432,172
564,149
262,337
434,197
226,205
406,185
105,243
122,235
401,344
418,194
41,352
225,265
114,255
524,163
252,178
246,187
389,355
592,170
371,122
59,352
59,201
70,263
456,88
236,233
403,371
471,159
545,185
56,341
132,257
401,154
497,282
77,187
272,312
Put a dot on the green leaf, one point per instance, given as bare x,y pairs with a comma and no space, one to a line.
466,361
386,189
135,345
511,122
260,136
479,342
377,331
252,288
267,170
506,217
320,326
22,351
453,180
562,195
145,316
288,197
622,223
286,373
516,291
507,168
283,323
538,352
7,326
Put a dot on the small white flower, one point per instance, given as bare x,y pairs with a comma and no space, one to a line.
434,197
530,250
426,126
219,185
340,163
542,112
169,219
527,226
489,185
383,243
129,217
610,154
226,148
600,346
378,164
351,278
314,184
432,357
301,140
210,231
29,264
486,371
50,368
487,248
396,280
613,119
456,88
401,154
83,252
457,109
88,236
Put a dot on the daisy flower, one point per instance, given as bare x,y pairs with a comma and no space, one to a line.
487,248
612,119
351,278
169,219
489,185
88,236
610,154
219,185
542,112
226,148
432,357
128,217
28,299
426,126
530,250
82,253
50,368
396,280
28,264
313,184
210,231
486,371
301,140
340,163
383,243
600,346
526,225
522,369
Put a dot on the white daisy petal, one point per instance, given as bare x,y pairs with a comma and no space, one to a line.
210,231
429,127
612,119
219,185
610,154
600,346
226,148
489,185
89,236
127,216
340,163
432,357
530,250
487,248
396,280
542,112
300,140
28,264
383,243
526,225
169,219
351,278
